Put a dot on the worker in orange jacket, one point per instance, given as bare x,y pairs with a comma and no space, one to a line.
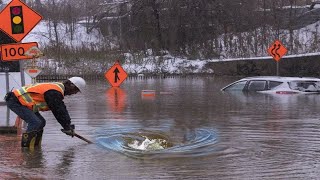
29,100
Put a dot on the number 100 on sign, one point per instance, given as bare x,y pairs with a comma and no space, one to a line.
12,52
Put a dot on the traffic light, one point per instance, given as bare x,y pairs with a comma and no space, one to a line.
16,20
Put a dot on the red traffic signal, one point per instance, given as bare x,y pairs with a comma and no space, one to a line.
17,25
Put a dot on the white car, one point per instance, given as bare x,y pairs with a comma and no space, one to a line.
276,85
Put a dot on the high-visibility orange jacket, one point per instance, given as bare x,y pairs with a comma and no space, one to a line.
32,96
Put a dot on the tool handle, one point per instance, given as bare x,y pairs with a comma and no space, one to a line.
82,138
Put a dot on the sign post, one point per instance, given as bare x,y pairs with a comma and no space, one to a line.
116,75
277,50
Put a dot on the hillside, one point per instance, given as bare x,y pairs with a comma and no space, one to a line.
81,51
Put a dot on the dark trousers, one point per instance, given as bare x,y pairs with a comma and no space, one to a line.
34,119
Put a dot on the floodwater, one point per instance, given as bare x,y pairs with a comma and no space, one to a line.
194,132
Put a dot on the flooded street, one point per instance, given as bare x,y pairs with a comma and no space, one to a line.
202,132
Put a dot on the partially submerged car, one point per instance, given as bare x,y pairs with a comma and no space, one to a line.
276,85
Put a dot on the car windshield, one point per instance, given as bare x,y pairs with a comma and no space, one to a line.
306,86
238,86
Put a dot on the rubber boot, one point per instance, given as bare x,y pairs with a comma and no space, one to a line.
39,138
28,139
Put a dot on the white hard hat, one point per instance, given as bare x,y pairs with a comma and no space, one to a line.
79,82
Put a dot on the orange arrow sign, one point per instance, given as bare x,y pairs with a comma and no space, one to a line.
116,75
17,19
277,50
11,52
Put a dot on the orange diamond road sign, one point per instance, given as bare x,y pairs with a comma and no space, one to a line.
12,52
277,50
116,75
17,19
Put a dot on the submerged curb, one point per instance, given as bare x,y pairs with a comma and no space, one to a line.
8,130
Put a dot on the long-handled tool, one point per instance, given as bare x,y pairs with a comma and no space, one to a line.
82,138
68,132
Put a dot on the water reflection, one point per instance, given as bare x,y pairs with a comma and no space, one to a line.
275,106
116,99
63,167
33,158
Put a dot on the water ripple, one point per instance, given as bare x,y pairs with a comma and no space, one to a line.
199,142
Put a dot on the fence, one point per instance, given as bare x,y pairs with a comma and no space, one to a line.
57,77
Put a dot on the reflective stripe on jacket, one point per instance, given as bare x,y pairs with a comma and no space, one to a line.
32,96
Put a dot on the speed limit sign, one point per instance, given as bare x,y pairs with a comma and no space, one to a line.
16,51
